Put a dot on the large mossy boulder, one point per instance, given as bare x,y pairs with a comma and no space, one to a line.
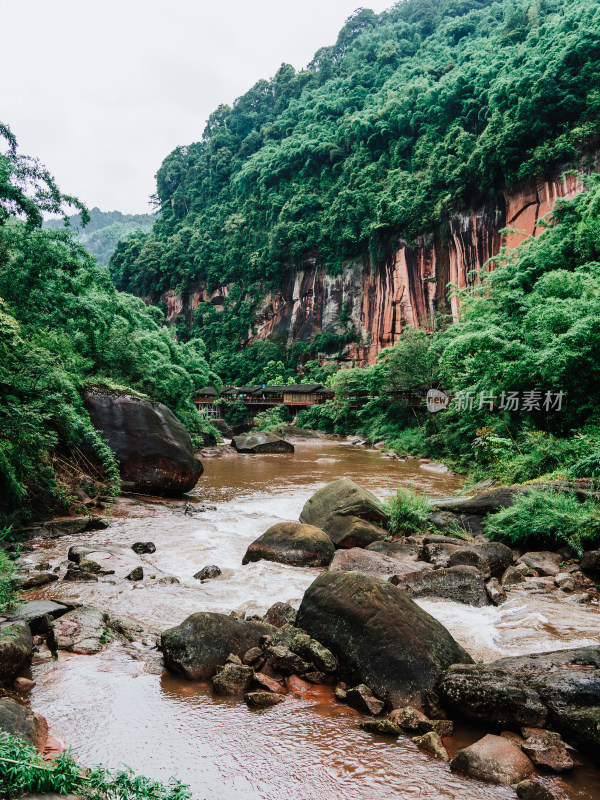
380,636
261,442
204,640
16,646
292,543
152,447
349,514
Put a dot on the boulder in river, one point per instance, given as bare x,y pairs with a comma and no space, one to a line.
83,630
372,563
460,584
19,721
261,442
379,635
544,562
204,640
349,514
152,447
293,543
16,646
493,759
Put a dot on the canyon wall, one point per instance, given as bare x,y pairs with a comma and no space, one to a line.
409,289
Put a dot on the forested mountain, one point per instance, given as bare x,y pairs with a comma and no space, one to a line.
409,116
104,230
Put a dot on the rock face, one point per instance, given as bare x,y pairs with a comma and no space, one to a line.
461,584
19,721
292,543
349,514
16,647
153,449
494,759
203,641
379,635
561,687
261,443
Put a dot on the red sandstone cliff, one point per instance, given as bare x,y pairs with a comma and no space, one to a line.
406,291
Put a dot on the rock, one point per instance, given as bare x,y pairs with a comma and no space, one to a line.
411,719
281,614
285,661
490,558
208,572
33,579
363,699
544,562
281,637
315,653
486,694
547,750
233,659
74,573
362,560
77,552
23,685
397,550
483,503
534,790
37,614
460,584
565,581
511,577
292,543
316,677
444,520
349,514
379,635
438,553
443,727
19,721
432,743
203,641
166,580
251,656
16,646
341,691
261,442
142,548
153,449
263,699
83,630
232,679
590,563
495,591
55,528
270,684
382,727
128,627
97,524
493,759
136,574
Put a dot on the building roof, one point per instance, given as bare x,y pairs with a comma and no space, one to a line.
303,388
207,391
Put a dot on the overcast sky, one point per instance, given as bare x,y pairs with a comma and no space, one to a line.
101,92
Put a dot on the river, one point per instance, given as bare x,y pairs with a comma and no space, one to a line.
109,710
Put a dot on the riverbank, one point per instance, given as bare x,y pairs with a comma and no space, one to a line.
215,743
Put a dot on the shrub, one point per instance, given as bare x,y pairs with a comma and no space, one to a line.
273,420
547,519
407,511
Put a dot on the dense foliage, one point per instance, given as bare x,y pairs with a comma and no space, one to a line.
104,230
409,115
62,326
23,771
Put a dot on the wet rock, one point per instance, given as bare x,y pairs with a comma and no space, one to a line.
267,683
252,656
316,677
74,573
232,679
97,523
33,579
546,749
208,572
379,635
411,719
534,790
282,637
152,447
432,743
401,551
16,646
203,641
382,727
495,591
136,574
37,614
293,543
83,630
314,652
512,577
23,685
55,528
590,563
166,580
285,661
19,721
486,694
128,627
263,699
460,584
493,759
363,699
565,581
490,558
544,562
362,560
281,614
261,442
444,520
480,504
142,548
233,659
350,515
438,553
341,691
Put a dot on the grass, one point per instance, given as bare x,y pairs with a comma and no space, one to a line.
407,511
545,520
23,770
9,597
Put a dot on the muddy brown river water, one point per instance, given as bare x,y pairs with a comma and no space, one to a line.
109,710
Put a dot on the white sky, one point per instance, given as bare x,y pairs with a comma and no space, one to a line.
101,92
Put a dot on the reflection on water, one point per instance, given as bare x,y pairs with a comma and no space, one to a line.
109,710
